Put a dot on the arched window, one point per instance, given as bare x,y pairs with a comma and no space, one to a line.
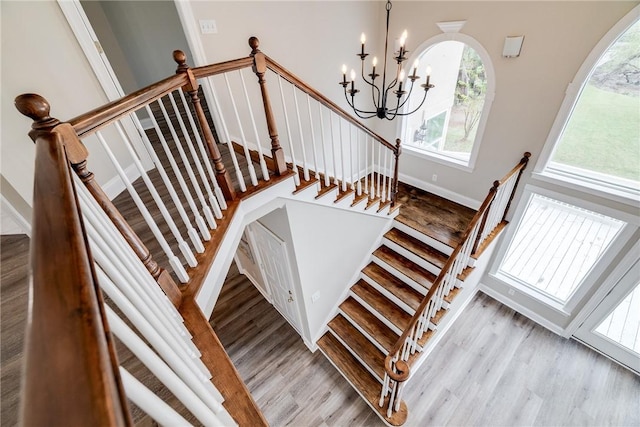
595,142
449,126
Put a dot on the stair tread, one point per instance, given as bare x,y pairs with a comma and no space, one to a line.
359,377
395,286
359,344
405,266
383,305
373,326
417,247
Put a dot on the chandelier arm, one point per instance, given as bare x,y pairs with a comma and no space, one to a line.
357,110
394,111
407,98
418,107
370,83
376,99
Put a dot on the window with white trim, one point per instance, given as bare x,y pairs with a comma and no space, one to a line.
599,144
449,124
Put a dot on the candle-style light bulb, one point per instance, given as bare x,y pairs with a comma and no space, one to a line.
373,72
400,79
353,81
415,67
428,73
363,38
344,73
375,61
403,38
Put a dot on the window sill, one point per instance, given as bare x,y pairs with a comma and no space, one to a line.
630,198
438,158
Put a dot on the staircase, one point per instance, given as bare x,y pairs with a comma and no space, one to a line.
387,294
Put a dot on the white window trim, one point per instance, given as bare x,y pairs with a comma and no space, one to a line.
587,283
488,101
572,95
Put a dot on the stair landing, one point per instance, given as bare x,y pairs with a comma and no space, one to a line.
432,215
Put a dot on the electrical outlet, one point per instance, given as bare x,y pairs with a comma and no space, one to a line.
434,177
315,297
208,26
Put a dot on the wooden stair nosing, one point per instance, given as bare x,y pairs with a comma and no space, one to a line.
384,307
359,199
325,189
417,247
430,240
382,336
359,378
359,345
403,292
372,202
403,265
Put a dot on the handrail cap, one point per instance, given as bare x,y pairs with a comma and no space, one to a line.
34,106
254,43
179,56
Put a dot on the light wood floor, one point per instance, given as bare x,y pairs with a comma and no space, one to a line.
494,368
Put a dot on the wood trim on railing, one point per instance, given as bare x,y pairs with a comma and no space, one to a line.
291,78
71,371
222,67
260,69
480,215
77,155
102,116
521,166
191,87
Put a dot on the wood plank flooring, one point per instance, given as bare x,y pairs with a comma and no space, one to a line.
494,368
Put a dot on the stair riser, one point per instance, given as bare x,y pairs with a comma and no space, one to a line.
355,355
409,281
447,250
412,257
363,332
387,294
380,317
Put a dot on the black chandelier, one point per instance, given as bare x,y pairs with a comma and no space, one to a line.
380,94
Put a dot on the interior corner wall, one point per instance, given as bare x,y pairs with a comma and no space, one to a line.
147,33
42,57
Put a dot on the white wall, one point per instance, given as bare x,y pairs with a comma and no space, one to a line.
42,57
330,247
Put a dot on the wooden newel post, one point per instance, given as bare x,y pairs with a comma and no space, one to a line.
222,175
37,108
394,188
260,68
71,372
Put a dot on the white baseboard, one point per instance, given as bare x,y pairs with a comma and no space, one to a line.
442,192
12,221
146,123
115,186
521,309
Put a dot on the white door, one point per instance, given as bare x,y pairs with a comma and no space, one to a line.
276,269
613,327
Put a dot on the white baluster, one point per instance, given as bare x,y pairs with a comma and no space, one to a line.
191,371
247,155
202,227
263,163
366,164
305,166
223,122
182,245
203,158
203,406
327,180
186,164
313,140
333,148
94,215
379,194
350,158
358,162
296,177
146,400
389,177
173,260
191,232
385,388
342,156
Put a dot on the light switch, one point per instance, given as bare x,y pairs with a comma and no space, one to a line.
208,26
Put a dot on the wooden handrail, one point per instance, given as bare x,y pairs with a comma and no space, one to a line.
402,368
293,79
100,117
222,67
71,373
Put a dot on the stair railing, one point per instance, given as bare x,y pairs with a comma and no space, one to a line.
405,352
